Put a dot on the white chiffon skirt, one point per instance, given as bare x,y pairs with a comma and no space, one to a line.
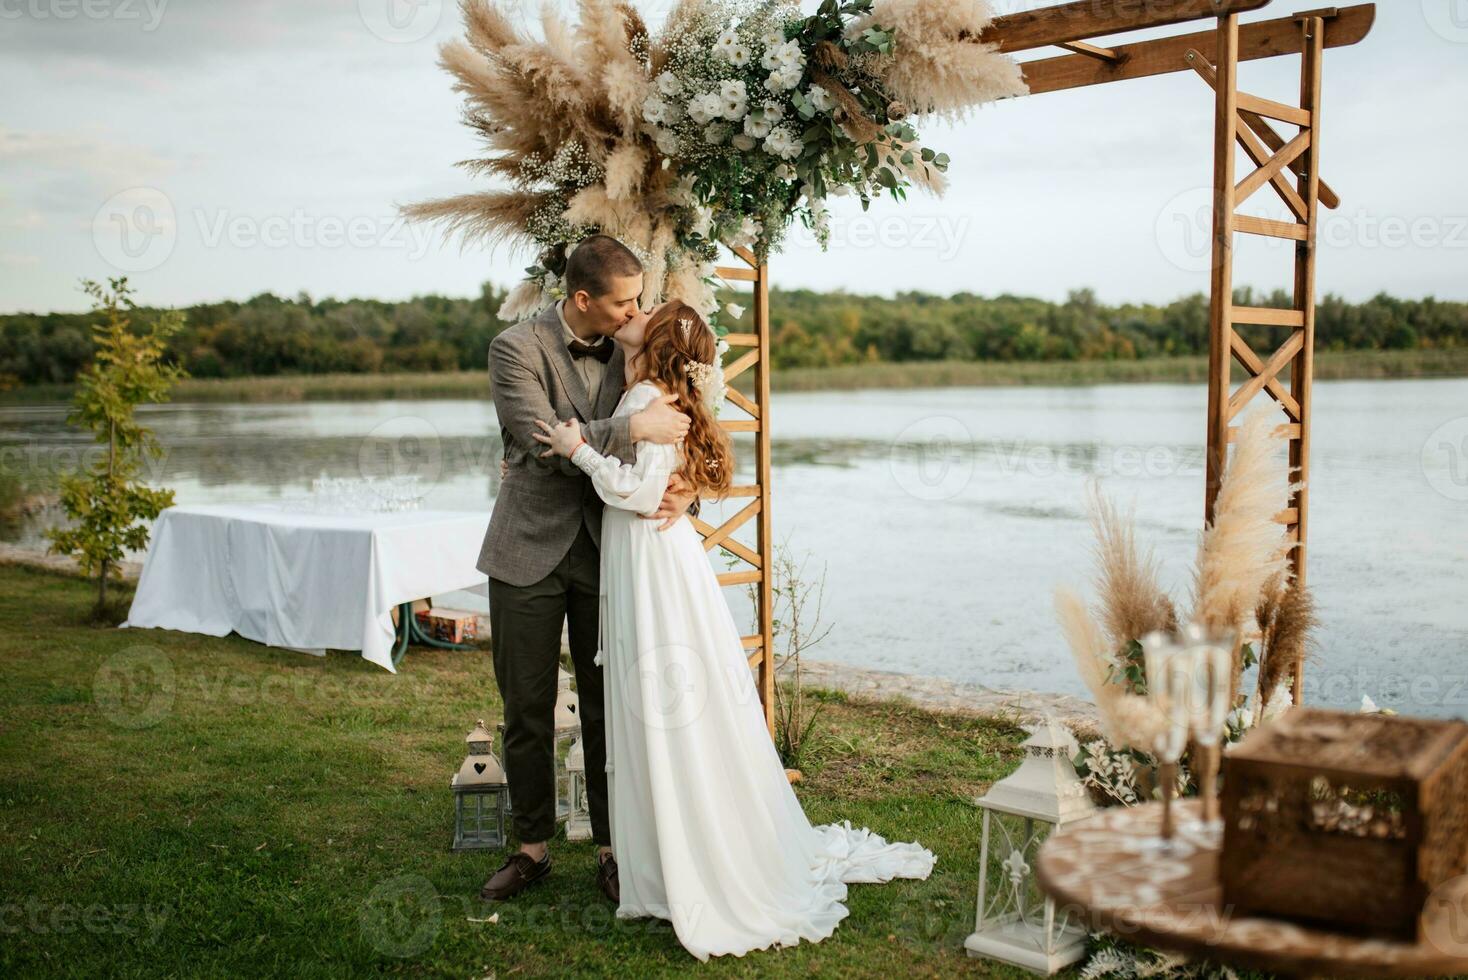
707,831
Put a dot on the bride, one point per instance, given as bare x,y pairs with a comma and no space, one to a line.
706,829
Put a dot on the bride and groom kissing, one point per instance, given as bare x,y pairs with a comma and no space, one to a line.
610,440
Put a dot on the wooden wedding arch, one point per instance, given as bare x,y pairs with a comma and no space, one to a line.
1290,167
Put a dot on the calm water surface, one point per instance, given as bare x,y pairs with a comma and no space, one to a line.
943,519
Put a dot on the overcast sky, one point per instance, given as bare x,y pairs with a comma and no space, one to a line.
215,150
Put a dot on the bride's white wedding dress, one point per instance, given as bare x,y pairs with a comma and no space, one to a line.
707,831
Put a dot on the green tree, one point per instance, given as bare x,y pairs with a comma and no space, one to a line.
106,502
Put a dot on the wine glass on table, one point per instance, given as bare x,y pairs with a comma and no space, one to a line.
1211,659
1169,687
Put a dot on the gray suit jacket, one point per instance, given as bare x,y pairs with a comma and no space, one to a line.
542,502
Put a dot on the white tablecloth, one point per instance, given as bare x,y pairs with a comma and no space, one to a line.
292,578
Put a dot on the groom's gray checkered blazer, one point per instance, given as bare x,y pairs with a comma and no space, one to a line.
542,502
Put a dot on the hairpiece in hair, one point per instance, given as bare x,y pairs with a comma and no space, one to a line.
686,323
708,381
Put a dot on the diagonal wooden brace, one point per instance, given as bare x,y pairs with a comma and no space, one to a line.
1266,373
1261,129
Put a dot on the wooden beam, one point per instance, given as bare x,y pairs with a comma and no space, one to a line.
1302,373
1088,18
1081,47
1273,110
1267,316
1262,39
1269,227
1225,41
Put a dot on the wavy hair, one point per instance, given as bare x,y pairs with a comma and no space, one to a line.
708,456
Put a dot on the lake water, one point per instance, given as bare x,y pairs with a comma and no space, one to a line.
943,519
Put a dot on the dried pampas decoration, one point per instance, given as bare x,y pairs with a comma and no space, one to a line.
1127,720
1132,602
583,125
1244,549
944,70
1287,621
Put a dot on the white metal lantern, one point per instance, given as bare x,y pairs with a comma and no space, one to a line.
567,732
481,795
1014,920
578,823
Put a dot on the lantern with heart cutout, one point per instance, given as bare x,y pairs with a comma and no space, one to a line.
480,796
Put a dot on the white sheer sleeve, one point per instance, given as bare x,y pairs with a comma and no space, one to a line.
636,486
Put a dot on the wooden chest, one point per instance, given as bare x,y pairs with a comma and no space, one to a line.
1342,819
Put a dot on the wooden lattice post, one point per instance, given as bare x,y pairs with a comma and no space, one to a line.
1243,118
760,559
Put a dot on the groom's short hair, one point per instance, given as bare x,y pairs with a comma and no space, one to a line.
595,262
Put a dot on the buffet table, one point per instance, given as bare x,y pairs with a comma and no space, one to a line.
288,576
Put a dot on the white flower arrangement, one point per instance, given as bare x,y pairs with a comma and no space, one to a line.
750,99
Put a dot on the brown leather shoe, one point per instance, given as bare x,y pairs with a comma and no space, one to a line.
518,873
606,879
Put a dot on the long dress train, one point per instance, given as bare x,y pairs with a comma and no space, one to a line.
707,830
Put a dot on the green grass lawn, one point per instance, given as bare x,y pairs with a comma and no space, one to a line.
173,804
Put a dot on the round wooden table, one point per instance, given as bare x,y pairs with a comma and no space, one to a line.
1109,872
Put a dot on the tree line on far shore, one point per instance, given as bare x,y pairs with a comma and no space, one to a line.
269,335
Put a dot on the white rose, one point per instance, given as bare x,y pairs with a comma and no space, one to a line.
654,110
668,84
756,126
784,78
773,111
734,310
738,56
704,223
732,90
667,142
743,141
819,98
726,42
789,53
784,171
772,39
734,109
715,133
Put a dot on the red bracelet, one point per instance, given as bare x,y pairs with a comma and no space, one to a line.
578,445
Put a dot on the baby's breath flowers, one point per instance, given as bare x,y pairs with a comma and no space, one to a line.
736,118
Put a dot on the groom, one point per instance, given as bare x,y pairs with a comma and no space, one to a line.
541,550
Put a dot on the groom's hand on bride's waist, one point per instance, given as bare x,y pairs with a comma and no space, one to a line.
659,422
676,500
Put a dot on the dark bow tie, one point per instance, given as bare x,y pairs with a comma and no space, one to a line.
602,351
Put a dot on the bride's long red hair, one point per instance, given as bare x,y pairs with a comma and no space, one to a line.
708,457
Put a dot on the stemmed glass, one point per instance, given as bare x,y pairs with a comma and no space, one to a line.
1169,683
1211,661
